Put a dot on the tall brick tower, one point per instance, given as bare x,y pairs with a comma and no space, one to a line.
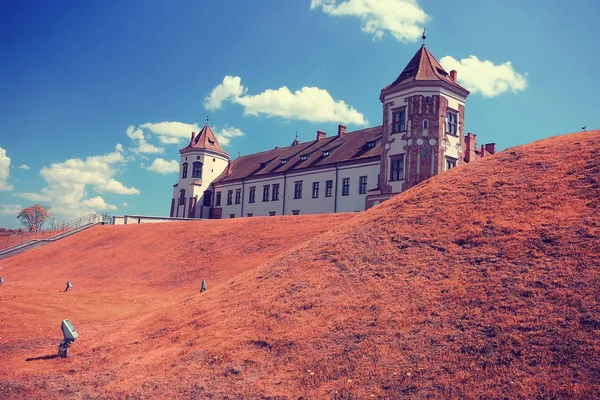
423,120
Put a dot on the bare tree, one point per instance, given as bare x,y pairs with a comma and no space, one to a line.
33,217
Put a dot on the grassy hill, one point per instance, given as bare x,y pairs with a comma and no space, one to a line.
481,283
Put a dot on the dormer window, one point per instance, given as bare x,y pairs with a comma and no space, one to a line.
304,158
370,144
284,161
211,142
263,164
326,153
442,72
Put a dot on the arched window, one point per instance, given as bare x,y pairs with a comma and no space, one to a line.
185,168
182,197
425,124
197,169
424,152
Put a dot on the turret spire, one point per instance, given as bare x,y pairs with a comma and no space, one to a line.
424,37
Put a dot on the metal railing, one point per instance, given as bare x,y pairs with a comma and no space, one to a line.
56,229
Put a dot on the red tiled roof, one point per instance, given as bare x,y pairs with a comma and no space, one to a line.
423,67
351,146
204,140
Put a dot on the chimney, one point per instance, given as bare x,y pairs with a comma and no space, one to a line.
228,168
453,75
341,130
192,139
321,135
470,143
490,148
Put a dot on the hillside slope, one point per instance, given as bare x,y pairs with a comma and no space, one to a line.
481,283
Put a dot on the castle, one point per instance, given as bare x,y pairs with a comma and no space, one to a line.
422,135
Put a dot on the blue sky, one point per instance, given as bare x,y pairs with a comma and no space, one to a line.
98,96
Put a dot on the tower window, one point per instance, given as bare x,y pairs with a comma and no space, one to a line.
182,197
450,163
399,121
425,124
424,152
427,99
197,157
185,170
397,169
197,169
452,121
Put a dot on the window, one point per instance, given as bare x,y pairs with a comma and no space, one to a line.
295,212
450,163
371,144
272,213
303,158
252,194
298,189
197,157
265,193
218,199
197,169
182,197
185,168
427,99
362,185
425,124
345,186
328,188
231,215
275,192
452,123
249,214
326,153
397,170
424,152
315,192
399,121
284,161
207,198
214,159
238,196
229,197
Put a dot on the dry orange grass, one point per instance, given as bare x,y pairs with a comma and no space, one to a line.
481,283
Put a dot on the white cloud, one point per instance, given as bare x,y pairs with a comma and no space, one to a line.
67,183
4,169
309,103
125,204
10,209
162,166
137,136
224,135
24,166
403,19
485,77
171,132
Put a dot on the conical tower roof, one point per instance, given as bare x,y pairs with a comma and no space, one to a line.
204,140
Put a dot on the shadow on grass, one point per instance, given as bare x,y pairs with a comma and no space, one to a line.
48,357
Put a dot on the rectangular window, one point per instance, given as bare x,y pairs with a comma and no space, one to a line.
231,215
249,214
229,197
275,192
295,212
197,169
346,187
218,199
185,168
272,213
328,188
315,193
298,189
238,196
265,193
397,170
252,194
362,185
399,121
450,163
452,120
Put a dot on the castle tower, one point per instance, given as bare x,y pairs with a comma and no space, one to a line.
423,120
202,161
